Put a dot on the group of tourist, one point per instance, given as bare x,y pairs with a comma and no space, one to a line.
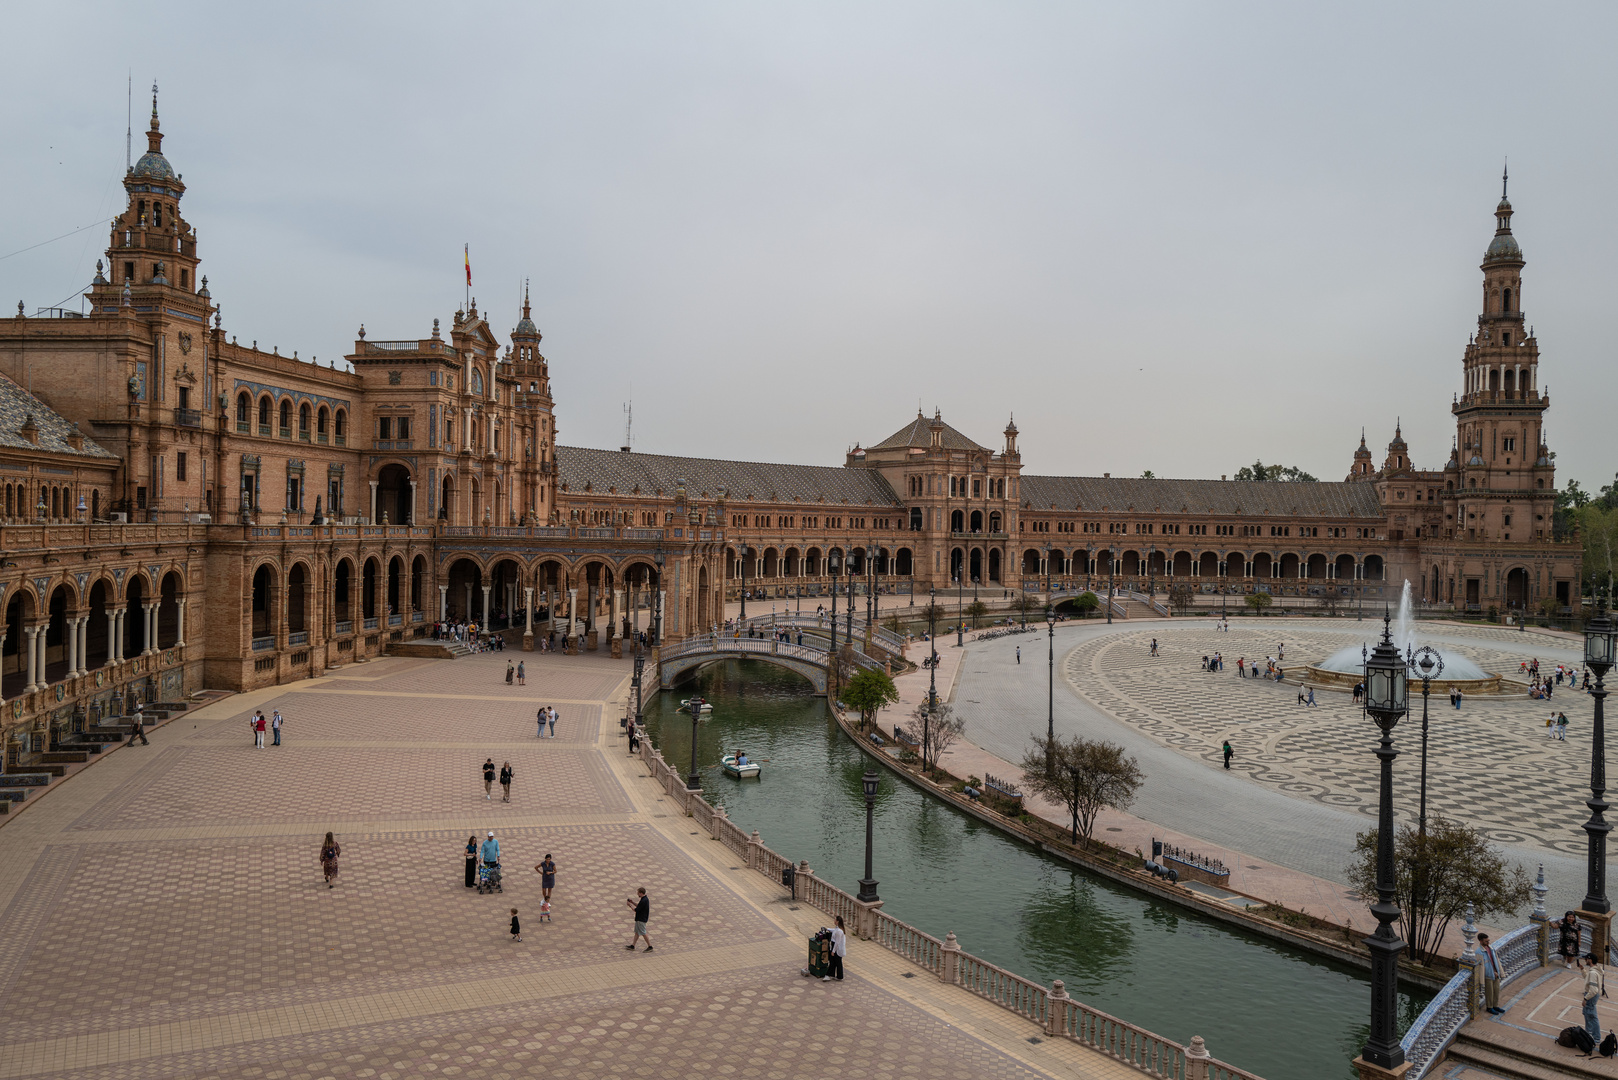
257,724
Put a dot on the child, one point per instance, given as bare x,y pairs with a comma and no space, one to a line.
516,927
544,911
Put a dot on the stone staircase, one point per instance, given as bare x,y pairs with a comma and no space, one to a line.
457,649
75,750
1493,1050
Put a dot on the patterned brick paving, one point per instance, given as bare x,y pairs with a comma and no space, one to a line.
1489,764
164,914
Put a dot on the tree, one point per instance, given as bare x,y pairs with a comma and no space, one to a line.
1181,597
1598,531
977,609
1565,510
1329,599
1026,603
1148,475
1436,875
1085,603
869,692
939,730
894,623
1258,601
1260,471
1084,775
933,614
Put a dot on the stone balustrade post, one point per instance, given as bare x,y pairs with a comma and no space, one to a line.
866,927
31,633
1196,1059
949,968
1541,921
1056,1000
179,627
719,816
1471,962
755,852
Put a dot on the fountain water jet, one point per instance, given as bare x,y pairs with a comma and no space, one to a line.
1345,667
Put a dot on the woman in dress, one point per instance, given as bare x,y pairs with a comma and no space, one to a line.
471,861
1568,941
547,875
329,850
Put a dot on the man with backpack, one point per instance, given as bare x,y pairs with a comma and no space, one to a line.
1594,990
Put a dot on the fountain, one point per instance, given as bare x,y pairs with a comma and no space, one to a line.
1345,667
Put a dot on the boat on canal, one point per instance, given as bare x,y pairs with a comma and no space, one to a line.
705,707
737,764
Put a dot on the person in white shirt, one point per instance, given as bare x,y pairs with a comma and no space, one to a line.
839,949
1594,989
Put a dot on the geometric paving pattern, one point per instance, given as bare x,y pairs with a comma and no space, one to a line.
1490,764
163,913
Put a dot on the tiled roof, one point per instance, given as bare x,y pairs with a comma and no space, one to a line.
17,404
704,477
1277,498
918,433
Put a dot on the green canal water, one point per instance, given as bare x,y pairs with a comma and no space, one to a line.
1284,1014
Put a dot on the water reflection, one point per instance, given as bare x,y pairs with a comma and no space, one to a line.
1277,1012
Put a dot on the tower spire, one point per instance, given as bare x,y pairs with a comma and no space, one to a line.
1505,174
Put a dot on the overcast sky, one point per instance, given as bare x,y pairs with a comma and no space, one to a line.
1167,237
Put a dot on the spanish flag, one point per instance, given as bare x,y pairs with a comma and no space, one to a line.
469,266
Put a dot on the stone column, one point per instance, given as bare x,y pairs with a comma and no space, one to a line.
466,612
528,619
410,518
372,518
44,679
443,603
115,644
150,614
466,428
485,616
72,628
572,617
31,633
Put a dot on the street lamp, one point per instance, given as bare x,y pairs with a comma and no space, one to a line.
1050,687
960,603
1386,699
744,583
867,894
848,564
1430,664
657,557
831,565
870,584
932,668
693,782
1598,657
1112,576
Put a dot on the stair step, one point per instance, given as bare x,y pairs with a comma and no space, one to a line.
11,795
1508,1061
27,779
46,767
65,757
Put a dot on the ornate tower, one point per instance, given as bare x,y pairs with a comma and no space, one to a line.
1505,484
536,409
1362,469
151,243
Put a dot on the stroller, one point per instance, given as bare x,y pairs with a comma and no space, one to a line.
489,878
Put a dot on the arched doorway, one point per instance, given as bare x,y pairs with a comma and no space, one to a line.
976,568
505,594
297,599
465,582
56,650
956,560
393,495
343,581
904,563
395,585
19,614
418,583
368,590
97,641
264,580
703,618
1516,589
168,610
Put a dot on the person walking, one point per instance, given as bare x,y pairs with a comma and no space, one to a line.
1491,976
1594,990
1019,654
541,722
1567,944
259,725
516,927
839,949
505,782
330,849
488,778
522,679
138,731
1154,646
547,875
276,720
643,915
511,672
1229,753
553,721
471,861
490,851
252,725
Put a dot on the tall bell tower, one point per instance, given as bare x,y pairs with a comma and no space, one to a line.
1503,477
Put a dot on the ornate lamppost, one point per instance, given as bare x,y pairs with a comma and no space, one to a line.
867,893
1429,664
657,557
1598,657
960,604
831,567
1386,699
1050,687
932,668
848,564
692,780
871,553
744,582
1112,580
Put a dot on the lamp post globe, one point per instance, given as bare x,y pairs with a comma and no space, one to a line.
867,893
692,780
1598,657
1427,663
1386,700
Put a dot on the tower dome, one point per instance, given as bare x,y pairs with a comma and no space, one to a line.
153,164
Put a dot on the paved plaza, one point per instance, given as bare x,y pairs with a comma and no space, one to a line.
1303,780
162,913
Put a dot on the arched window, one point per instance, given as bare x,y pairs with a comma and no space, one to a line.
320,424
477,381
244,410
303,422
264,406
286,419
1505,302
342,428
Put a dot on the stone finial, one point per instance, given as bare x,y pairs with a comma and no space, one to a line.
951,942
1058,989
1198,1048
755,838
1469,932
803,868
1539,889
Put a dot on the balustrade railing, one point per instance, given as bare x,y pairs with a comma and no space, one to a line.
260,644
371,623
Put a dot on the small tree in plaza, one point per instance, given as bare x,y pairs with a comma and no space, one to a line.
1026,603
938,731
869,692
1329,601
933,614
1436,875
977,609
1181,598
1085,603
1258,601
1084,775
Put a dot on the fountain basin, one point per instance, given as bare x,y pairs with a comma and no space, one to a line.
1332,679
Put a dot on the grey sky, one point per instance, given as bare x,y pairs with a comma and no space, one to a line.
1174,237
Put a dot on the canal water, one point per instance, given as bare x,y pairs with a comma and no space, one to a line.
1283,1014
